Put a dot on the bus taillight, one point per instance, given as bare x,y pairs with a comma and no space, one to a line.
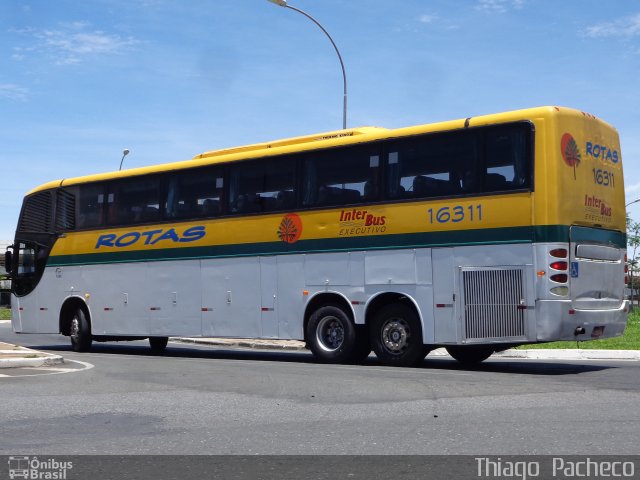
559,253
557,266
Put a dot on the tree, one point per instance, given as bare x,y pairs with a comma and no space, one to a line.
633,242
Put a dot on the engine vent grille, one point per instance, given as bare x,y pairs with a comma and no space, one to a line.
36,214
65,210
494,303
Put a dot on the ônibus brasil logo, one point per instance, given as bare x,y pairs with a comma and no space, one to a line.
570,152
290,228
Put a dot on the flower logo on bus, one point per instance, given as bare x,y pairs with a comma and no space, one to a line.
570,152
290,228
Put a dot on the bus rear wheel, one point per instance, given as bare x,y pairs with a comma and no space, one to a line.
396,336
331,335
470,354
158,344
80,331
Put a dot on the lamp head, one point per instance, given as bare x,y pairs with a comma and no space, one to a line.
281,3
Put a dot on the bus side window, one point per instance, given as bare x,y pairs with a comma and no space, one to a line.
507,160
430,165
135,200
91,205
261,186
195,194
341,177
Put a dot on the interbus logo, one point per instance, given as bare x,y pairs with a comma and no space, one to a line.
570,152
290,228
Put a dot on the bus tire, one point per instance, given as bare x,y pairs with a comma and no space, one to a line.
80,331
331,335
362,348
158,344
396,336
470,354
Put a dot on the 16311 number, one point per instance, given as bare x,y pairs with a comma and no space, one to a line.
455,214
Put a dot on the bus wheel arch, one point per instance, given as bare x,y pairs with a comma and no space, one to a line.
75,322
396,330
330,331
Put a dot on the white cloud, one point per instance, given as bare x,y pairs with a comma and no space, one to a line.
499,6
72,43
623,27
13,92
632,191
426,18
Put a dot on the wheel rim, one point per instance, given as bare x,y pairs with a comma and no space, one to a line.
330,333
75,329
395,336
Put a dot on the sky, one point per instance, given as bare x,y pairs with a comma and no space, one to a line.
82,80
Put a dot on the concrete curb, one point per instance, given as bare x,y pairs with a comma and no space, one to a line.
15,356
577,354
46,361
535,354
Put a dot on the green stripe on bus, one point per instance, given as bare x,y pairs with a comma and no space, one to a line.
512,235
606,237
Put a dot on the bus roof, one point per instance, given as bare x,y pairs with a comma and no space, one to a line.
319,140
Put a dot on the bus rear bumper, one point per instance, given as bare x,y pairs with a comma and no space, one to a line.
557,320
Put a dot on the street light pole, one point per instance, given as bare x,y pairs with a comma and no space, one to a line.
125,152
283,3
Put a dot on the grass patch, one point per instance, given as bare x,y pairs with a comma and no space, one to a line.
629,341
5,314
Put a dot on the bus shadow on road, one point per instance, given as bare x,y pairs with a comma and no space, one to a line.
498,365
519,366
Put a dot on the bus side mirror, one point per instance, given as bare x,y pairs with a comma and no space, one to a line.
8,260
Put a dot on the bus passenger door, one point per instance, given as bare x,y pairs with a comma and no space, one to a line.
444,296
269,296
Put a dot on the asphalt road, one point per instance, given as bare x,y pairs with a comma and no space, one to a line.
120,399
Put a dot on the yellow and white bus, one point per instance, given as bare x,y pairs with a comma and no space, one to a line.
476,235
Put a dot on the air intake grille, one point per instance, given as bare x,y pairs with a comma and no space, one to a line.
65,210
36,214
493,303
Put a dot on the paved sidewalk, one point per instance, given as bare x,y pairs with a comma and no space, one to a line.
12,356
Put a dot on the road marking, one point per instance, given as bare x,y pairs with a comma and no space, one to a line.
52,370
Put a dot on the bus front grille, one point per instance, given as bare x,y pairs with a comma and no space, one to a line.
494,302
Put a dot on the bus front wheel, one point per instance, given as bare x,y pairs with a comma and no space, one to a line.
331,335
80,331
396,336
